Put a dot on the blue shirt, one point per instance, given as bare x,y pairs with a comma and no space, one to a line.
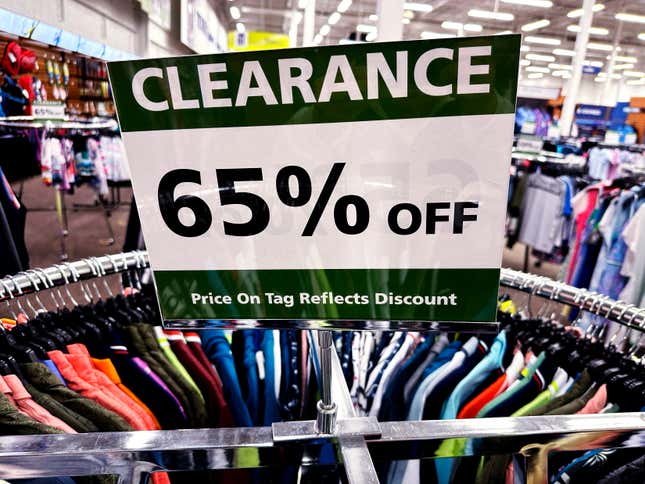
218,350
463,390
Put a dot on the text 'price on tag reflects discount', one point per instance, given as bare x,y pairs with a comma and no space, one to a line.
362,182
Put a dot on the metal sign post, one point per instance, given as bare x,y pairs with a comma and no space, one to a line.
326,418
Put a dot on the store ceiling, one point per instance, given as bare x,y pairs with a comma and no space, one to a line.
275,16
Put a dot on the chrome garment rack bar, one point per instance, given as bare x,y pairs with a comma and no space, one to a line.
133,455
68,272
617,311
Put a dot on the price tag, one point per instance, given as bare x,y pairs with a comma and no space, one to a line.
529,144
48,110
357,182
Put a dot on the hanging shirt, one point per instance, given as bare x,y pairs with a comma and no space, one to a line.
597,403
393,365
410,471
472,408
532,383
542,211
218,350
164,344
376,374
411,385
634,264
449,447
559,379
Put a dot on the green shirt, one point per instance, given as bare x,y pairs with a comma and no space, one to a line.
44,380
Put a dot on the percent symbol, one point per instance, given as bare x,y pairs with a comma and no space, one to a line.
304,184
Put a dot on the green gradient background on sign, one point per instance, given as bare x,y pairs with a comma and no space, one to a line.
476,291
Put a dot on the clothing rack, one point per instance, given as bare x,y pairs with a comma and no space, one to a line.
617,311
25,122
360,440
40,279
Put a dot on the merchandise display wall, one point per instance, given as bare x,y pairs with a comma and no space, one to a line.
94,383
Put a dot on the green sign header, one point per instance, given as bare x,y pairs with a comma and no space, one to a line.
362,82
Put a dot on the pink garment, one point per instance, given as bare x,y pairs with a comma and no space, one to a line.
597,402
86,386
27,406
583,207
6,390
81,360
613,166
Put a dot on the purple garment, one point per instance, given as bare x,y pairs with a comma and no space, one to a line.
158,381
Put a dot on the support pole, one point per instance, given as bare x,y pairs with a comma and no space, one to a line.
568,109
309,23
326,419
390,16
610,69
294,21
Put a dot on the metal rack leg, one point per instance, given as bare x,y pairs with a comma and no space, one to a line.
326,419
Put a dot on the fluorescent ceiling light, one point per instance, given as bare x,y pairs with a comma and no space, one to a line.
334,18
620,67
435,35
591,63
504,32
592,30
324,30
374,17
371,36
634,73
488,14
636,82
366,29
561,67
240,27
405,20
600,79
603,75
641,36
622,58
545,70
318,39
540,57
531,3
408,14
302,3
473,28
235,12
525,63
448,25
539,24
542,40
417,7
563,74
535,75
631,17
344,5
603,47
565,52
578,12
524,48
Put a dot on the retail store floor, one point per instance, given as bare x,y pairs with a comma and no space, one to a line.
88,233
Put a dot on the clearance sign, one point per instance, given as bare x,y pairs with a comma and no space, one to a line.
354,182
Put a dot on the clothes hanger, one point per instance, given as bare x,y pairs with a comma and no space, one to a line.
8,341
11,311
45,321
